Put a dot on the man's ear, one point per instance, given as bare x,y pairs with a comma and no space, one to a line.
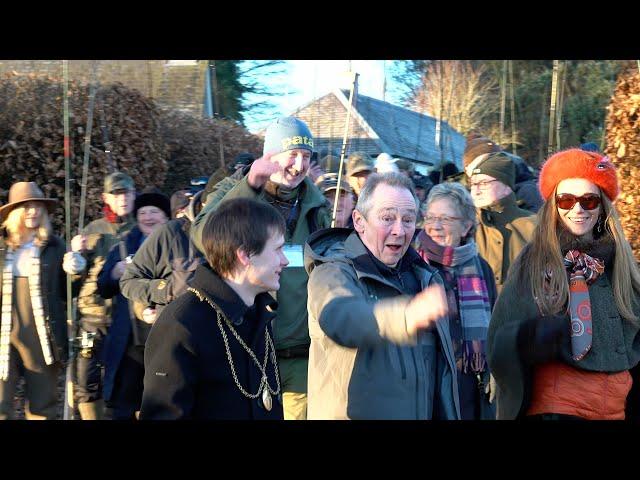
104,198
243,257
358,221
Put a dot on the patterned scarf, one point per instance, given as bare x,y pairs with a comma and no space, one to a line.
36,305
582,271
473,298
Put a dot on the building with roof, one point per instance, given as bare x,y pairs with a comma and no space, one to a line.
377,126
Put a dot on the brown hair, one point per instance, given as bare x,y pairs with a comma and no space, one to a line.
543,255
239,223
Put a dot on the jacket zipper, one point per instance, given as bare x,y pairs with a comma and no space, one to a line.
403,368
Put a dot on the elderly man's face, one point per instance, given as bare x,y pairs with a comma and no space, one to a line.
486,190
390,224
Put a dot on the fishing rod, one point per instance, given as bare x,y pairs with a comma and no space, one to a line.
344,147
87,146
68,412
552,108
105,139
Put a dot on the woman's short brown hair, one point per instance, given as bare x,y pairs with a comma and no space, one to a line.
239,223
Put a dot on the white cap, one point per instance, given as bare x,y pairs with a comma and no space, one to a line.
385,163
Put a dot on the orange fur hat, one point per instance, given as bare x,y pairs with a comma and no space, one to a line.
576,163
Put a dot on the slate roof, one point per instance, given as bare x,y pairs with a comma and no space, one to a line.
410,134
381,127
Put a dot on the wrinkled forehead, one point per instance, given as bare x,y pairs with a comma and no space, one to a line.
393,200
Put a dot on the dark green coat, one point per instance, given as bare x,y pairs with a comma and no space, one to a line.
615,347
160,269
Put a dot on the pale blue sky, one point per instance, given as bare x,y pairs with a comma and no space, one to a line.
304,80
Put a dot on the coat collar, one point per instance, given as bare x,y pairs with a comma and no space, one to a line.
366,265
216,290
501,212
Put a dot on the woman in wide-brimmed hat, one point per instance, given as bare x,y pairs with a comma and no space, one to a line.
564,337
33,332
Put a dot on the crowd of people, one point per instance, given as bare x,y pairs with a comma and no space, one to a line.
291,289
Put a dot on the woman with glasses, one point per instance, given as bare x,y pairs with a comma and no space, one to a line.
447,243
563,340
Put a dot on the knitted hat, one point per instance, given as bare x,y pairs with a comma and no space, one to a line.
577,163
476,146
499,166
287,133
359,162
152,196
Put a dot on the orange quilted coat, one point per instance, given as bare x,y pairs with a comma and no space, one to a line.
560,388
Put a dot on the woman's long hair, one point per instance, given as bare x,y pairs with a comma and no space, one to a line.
17,231
542,264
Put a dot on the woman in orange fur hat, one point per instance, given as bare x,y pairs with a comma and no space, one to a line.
563,340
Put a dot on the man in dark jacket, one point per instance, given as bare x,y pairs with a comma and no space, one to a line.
94,244
210,354
279,179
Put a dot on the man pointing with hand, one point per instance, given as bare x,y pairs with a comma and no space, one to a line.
380,341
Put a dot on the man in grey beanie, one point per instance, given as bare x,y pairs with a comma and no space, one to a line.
279,178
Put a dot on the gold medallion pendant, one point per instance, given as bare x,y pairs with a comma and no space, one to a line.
266,399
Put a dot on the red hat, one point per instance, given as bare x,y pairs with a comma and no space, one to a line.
576,163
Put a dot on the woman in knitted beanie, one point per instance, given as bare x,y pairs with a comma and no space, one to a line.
563,340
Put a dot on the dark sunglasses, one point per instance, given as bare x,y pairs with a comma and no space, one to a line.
588,201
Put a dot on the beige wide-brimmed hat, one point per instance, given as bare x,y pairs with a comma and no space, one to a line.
21,192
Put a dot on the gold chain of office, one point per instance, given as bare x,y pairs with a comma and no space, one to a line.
263,368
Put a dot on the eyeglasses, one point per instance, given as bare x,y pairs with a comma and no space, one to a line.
444,220
483,185
588,201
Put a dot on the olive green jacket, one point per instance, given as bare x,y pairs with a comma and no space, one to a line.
101,236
